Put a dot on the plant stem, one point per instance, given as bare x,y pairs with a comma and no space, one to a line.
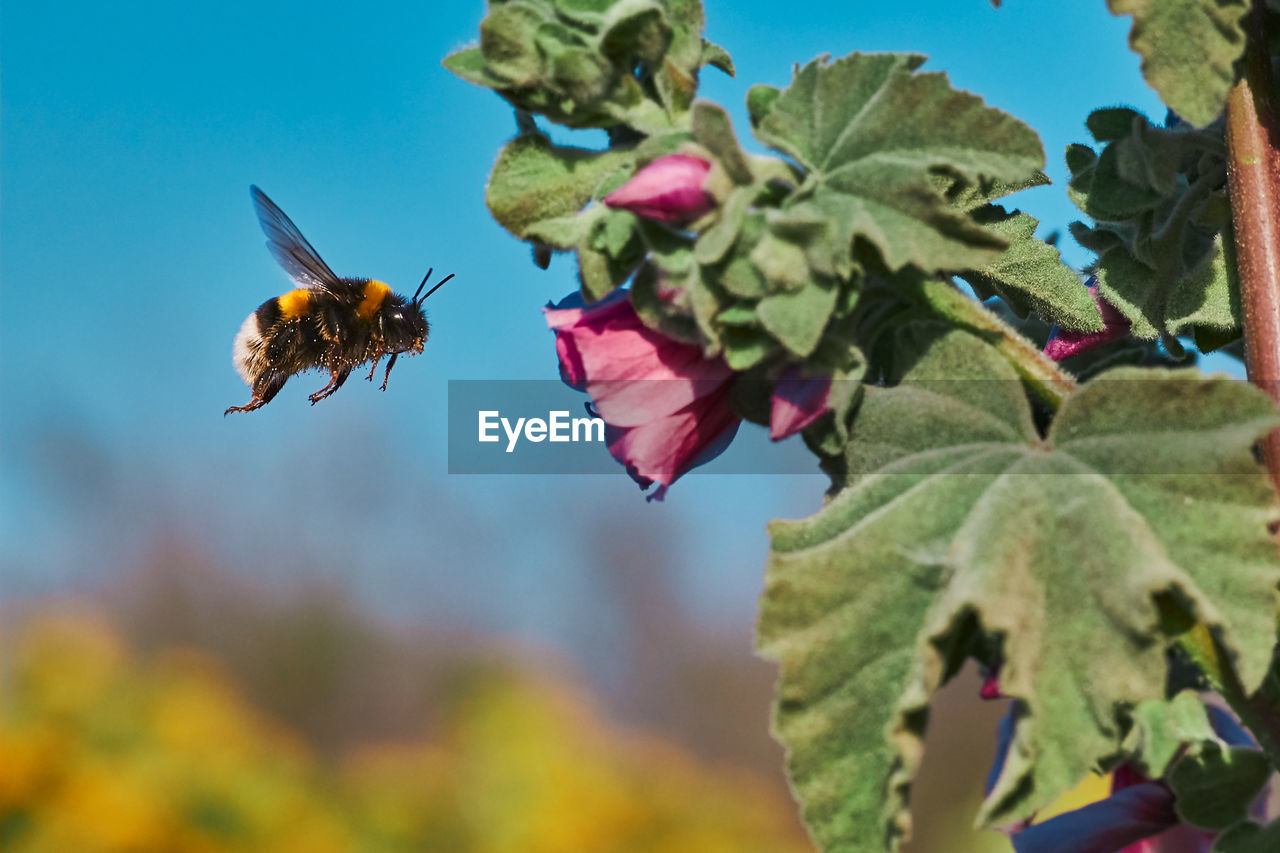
1253,176
1042,374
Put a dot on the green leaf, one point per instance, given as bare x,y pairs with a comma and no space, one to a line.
868,131
745,348
575,61
534,180
635,29
1162,730
507,36
561,232
668,314
741,278
609,253
797,318
782,261
1188,48
1142,166
1249,838
1213,788
707,299
956,518
1030,274
715,241
717,57
713,130
970,197
760,100
469,64
1158,302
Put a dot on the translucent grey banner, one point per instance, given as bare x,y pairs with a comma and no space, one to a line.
544,427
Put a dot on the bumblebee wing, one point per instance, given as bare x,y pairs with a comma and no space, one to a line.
290,249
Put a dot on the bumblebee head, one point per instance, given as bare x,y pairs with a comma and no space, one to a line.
411,320
404,326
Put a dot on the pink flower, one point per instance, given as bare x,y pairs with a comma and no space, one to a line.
798,401
670,189
666,406
1064,343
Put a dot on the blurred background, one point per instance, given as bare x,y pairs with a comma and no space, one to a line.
293,629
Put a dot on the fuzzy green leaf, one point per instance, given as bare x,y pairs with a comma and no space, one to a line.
1215,786
1164,729
1188,48
534,180
609,253
1030,274
797,318
760,100
1158,303
717,57
1249,838
714,242
469,64
958,518
872,134
745,348
713,130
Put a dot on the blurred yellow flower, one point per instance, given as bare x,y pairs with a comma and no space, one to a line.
105,752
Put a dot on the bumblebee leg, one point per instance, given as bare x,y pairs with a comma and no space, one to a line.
387,375
374,369
263,393
337,377
255,403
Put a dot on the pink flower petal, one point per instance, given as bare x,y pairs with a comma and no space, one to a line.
798,401
668,447
667,407
1064,343
670,189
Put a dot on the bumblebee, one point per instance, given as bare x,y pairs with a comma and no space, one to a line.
335,324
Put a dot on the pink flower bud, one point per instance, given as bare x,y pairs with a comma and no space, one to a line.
670,189
798,401
1064,343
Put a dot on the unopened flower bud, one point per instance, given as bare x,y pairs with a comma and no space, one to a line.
670,189
1064,343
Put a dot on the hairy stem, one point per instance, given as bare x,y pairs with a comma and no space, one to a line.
1253,178
1042,374
1253,175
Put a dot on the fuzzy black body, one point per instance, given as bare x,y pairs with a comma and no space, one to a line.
327,323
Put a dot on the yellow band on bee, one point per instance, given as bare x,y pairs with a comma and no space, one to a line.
374,294
295,303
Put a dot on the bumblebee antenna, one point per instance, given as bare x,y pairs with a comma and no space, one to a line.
438,285
424,283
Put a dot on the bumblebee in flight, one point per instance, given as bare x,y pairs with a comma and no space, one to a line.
336,324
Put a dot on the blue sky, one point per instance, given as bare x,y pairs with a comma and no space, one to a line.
129,134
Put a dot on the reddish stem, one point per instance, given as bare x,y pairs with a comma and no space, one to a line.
1253,173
